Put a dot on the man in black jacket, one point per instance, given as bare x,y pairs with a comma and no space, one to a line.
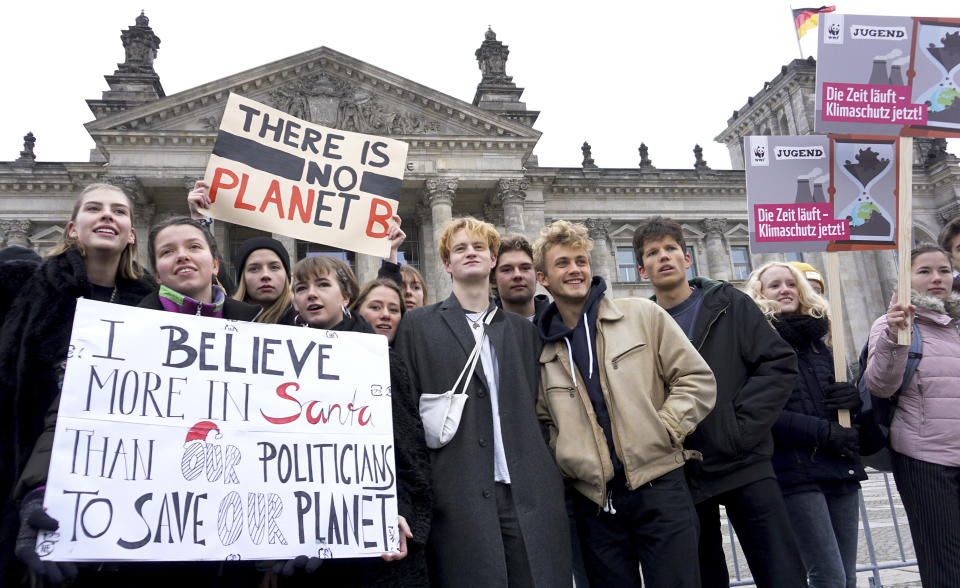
755,371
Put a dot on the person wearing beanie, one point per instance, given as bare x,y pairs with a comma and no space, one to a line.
814,278
263,278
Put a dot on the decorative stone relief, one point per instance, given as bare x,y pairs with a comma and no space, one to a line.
130,184
15,232
512,189
948,212
715,226
332,102
211,123
598,228
439,190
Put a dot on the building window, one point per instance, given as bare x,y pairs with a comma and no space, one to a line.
626,265
692,270
793,256
740,255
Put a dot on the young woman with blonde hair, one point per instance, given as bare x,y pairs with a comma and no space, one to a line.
816,460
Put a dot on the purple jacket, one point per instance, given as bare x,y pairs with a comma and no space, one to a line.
926,422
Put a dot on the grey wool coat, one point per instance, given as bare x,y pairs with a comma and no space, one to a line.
465,548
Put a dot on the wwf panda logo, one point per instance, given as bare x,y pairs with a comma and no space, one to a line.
834,30
759,152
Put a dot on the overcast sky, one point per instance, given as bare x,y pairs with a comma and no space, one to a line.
669,74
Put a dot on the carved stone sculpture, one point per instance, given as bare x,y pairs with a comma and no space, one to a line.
492,59
587,158
644,156
140,47
332,102
27,155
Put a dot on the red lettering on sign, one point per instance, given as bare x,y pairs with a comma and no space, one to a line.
219,183
273,195
282,393
379,219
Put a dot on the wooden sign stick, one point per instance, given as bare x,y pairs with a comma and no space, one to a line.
837,338
904,229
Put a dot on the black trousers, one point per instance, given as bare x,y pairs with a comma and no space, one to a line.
653,528
931,497
515,552
760,519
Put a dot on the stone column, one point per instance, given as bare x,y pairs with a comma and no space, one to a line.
290,244
15,232
367,268
512,192
438,195
718,259
601,258
428,249
143,211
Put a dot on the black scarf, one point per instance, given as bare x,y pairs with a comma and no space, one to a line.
800,330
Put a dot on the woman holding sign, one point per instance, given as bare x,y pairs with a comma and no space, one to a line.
96,258
817,461
323,288
925,431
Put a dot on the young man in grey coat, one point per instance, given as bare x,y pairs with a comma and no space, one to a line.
499,517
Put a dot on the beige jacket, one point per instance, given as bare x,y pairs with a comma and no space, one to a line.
657,389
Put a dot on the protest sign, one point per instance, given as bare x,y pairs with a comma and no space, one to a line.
820,193
888,75
194,438
274,172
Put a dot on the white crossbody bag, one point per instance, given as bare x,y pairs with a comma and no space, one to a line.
441,413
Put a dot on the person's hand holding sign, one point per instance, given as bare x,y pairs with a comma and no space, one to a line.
405,534
898,317
198,199
396,236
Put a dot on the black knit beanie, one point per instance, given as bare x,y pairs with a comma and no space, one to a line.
251,245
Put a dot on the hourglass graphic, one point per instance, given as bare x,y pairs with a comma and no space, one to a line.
867,198
938,45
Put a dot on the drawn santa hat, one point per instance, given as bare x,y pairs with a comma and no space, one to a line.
199,431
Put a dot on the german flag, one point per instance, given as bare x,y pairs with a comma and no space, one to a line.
806,18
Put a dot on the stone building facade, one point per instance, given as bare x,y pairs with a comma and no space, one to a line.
464,158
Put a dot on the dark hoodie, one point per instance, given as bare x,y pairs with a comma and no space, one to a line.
582,347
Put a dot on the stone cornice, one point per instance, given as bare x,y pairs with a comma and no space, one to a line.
315,61
798,74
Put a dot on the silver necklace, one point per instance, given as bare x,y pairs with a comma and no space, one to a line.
475,318
113,295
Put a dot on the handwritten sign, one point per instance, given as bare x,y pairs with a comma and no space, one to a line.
192,438
821,193
278,173
888,75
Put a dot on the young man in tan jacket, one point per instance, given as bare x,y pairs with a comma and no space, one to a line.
620,389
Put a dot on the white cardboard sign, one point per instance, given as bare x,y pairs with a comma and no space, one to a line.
278,173
193,438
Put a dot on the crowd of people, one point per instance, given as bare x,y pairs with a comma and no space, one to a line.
601,435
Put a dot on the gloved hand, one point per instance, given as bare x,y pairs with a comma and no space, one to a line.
843,395
288,567
843,441
32,520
